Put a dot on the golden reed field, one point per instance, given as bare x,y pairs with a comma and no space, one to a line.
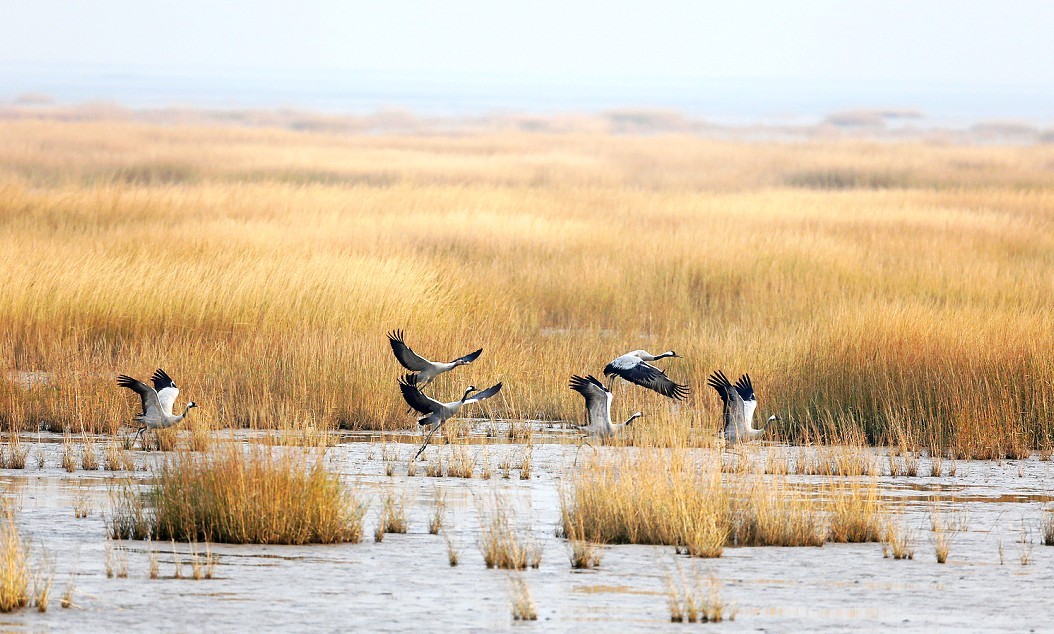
895,292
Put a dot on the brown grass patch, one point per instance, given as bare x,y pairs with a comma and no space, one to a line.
251,494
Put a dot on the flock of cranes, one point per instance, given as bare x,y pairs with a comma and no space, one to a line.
635,367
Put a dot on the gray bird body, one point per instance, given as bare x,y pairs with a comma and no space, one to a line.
157,401
739,403
425,371
598,407
435,412
635,368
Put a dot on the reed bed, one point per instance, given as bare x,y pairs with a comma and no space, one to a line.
910,276
659,497
244,494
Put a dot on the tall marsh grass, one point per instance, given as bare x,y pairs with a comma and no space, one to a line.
865,286
251,494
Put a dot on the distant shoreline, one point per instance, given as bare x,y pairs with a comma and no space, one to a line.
886,125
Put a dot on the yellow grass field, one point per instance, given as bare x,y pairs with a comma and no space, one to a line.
898,290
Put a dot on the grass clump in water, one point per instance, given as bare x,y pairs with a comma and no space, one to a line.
653,499
502,546
691,603
255,495
523,608
856,515
14,566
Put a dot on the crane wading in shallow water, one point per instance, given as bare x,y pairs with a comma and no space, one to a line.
598,407
634,367
157,401
739,405
435,413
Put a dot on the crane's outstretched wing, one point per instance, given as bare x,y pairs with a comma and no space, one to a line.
166,390
598,397
415,399
151,406
404,355
485,394
750,400
469,358
730,397
635,370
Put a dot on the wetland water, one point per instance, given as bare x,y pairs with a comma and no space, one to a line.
405,582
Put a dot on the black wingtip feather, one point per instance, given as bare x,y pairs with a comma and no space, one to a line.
161,380
470,357
745,388
124,380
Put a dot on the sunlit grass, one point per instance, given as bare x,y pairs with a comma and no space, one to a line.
236,494
866,287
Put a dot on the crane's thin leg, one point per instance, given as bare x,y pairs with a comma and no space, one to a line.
577,451
427,438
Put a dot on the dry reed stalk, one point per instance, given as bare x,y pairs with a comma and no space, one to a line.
154,570
42,588
439,511
434,468
778,462
583,553
452,551
502,546
67,596
112,458
690,603
856,514
525,462
1026,542
200,436
898,541
129,517
523,608
1048,527
462,462
14,565
89,460
945,529
17,453
69,462
393,514
81,504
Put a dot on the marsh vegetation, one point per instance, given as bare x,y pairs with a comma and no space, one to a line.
889,300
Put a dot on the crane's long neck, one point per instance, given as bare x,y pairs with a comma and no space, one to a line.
632,418
186,410
668,353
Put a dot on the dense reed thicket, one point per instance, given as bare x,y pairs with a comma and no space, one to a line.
898,290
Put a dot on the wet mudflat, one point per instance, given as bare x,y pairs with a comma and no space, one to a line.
406,582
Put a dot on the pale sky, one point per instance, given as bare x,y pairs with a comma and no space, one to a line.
922,42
